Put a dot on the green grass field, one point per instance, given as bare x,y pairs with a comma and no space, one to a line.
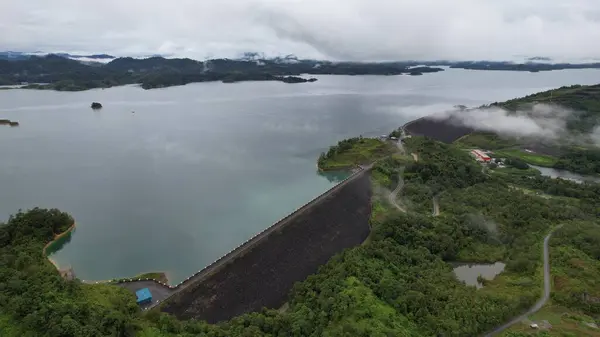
564,322
515,171
484,140
529,158
364,151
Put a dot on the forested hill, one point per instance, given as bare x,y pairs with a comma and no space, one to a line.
584,100
527,66
64,74
576,149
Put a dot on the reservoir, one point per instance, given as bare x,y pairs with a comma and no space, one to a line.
564,174
171,179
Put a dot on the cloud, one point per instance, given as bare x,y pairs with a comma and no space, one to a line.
539,122
334,29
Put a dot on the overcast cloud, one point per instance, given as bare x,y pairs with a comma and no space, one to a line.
540,121
333,29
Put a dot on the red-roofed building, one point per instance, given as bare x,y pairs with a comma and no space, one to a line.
480,156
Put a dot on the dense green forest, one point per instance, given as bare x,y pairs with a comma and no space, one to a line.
55,72
399,283
584,161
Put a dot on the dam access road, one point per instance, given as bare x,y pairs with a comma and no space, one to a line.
261,272
545,296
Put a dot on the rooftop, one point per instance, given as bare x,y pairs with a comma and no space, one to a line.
143,295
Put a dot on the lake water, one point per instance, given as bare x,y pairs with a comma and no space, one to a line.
564,174
469,273
198,169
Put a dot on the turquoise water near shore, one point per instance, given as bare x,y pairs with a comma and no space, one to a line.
172,179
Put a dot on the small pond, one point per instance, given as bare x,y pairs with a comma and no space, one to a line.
564,174
468,272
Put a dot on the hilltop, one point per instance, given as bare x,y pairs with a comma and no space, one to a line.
575,149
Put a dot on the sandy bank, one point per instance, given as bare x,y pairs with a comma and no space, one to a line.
57,237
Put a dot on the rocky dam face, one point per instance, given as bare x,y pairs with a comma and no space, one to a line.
264,273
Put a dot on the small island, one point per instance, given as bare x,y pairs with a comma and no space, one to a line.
8,122
96,105
295,79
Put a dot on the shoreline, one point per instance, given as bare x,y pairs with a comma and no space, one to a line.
57,237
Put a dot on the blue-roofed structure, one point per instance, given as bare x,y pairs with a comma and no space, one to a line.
143,296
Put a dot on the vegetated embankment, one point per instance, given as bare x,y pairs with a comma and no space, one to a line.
261,272
441,129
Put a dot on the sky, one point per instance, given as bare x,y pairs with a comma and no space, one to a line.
356,30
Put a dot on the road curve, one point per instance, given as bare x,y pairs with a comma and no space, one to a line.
394,195
540,303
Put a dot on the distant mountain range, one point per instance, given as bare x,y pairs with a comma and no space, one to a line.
18,56
73,72
66,72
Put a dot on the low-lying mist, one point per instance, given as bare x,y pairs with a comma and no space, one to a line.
540,121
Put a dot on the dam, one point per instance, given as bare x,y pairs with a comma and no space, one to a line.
261,272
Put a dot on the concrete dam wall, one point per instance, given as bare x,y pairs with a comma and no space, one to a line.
261,272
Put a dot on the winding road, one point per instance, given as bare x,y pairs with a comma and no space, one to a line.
540,303
394,195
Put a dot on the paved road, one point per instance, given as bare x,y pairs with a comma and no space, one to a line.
540,303
436,206
400,147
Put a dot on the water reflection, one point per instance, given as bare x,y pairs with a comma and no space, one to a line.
334,176
469,273
58,244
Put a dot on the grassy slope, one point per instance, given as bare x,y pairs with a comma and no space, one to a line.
528,157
